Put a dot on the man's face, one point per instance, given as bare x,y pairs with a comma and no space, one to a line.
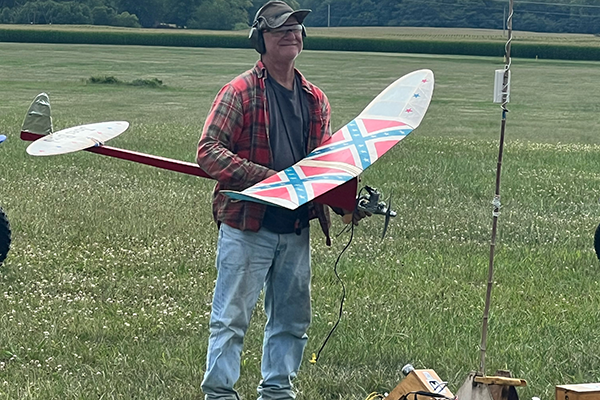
284,43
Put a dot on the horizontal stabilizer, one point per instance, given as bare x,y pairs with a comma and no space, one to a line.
77,138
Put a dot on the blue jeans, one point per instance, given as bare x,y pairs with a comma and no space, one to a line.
246,263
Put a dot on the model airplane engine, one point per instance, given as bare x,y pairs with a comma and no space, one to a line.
370,203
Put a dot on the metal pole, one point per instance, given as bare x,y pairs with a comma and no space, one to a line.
328,15
496,201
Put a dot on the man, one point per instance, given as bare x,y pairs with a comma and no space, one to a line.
263,121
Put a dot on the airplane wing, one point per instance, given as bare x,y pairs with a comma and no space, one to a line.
389,118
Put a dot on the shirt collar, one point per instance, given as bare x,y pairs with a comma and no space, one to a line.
261,71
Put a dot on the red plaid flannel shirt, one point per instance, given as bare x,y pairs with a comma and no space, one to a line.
234,147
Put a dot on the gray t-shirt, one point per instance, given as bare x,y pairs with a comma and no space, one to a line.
288,134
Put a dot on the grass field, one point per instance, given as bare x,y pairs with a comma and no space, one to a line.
107,289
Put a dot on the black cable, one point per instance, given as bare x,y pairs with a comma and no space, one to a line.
314,358
344,230
425,393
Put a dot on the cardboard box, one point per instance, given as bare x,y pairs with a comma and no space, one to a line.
425,380
582,391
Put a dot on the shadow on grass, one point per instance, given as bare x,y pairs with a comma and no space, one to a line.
111,80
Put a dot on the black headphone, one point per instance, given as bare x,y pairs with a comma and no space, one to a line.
256,35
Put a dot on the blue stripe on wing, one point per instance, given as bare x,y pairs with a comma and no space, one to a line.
242,196
359,142
299,184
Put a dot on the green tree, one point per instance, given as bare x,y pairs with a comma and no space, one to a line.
178,12
360,13
220,14
103,15
12,3
318,16
6,16
52,12
149,12
127,20
75,13
28,13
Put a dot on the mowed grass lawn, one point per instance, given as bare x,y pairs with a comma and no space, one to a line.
107,290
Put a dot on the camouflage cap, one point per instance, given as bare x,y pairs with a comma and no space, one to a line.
276,13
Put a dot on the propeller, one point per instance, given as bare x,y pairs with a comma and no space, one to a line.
388,216
370,203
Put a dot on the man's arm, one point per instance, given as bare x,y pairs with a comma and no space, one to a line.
223,124
326,111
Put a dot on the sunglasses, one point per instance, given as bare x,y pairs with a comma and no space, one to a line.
284,29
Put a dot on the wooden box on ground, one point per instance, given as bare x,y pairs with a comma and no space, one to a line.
425,380
582,391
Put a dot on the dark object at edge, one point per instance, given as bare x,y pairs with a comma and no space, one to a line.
5,236
597,242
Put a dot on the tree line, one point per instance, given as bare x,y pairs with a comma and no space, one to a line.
575,16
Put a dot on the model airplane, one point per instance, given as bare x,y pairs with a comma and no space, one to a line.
328,175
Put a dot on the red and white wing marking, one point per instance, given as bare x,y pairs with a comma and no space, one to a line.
293,186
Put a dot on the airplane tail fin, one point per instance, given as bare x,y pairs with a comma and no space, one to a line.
38,119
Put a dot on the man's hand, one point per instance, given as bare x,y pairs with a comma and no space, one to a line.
355,216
